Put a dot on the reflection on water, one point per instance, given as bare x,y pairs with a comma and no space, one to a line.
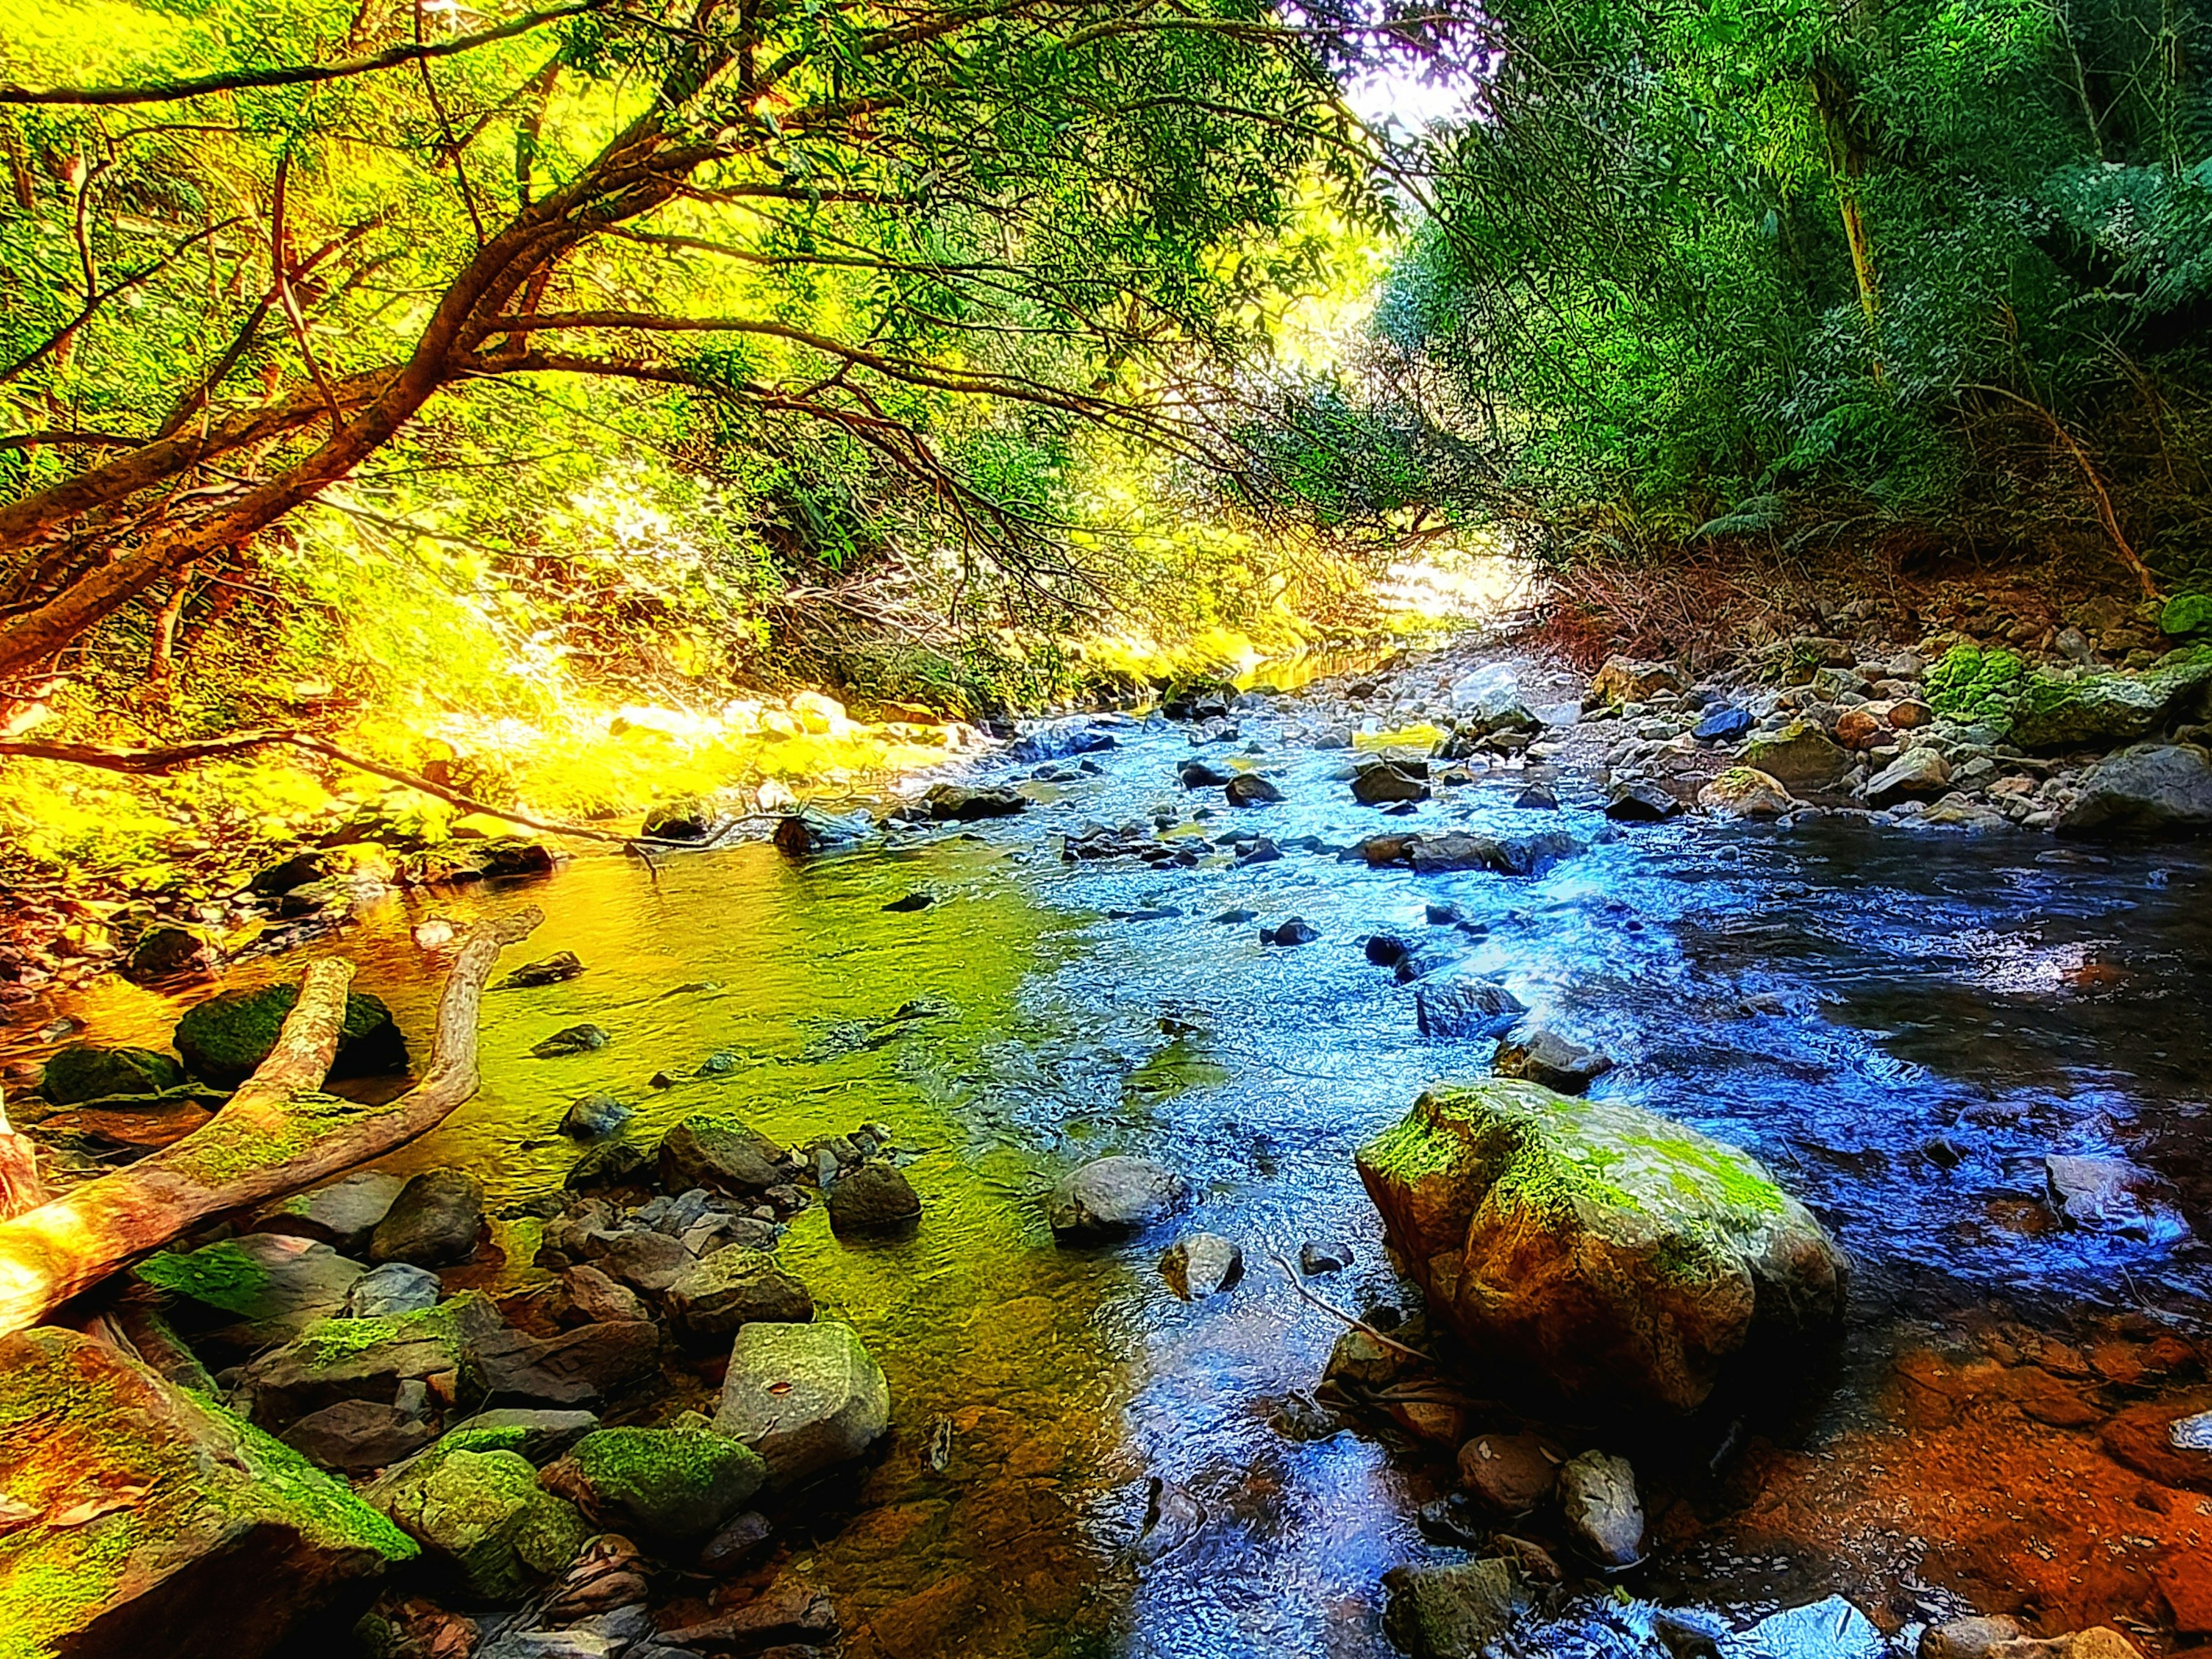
1836,999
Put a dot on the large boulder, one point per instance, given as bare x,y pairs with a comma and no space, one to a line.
2095,710
806,1397
84,1072
710,1149
2150,789
663,1483
225,1037
143,1519
1801,755
1620,1256
1745,792
735,1287
434,1222
484,1515
1109,1196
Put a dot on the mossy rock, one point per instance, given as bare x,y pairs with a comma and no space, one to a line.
2187,614
690,818
483,1515
225,1037
665,1483
2060,711
1976,686
334,1359
86,1071
1801,755
1618,1256
164,1525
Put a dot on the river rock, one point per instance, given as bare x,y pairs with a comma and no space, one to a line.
1799,756
1202,1265
806,1397
2153,788
578,1369
641,1256
342,1215
1968,1638
1745,792
610,1164
669,1484
1511,1473
1451,1613
557,969
1464,1008
357,1436
1201,775
1618,1254
1250,789
1382,783
958,803
1628,679
397,1287
688,818
875,1198
2058,710
711,1150
736,1287
225,1037
434,1222
1296,931
265,1287
1639,801
85,1072
1542,1055
1916,775
571,1040
167,952
596,1116
1722,726
599,1298
1598,1501
1508,855
1114,1195
1316,1257
336,1359
145,1520
1831,1628
484,1515
539,1435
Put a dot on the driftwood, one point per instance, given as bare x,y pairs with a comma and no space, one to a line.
22,1186
177,757
278,1135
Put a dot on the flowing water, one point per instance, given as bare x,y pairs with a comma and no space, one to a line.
1083,1464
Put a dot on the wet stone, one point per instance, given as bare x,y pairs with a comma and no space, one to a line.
595,1116
1640,802
714,1151
1542,1055
539,1435
1202,1265
807,1398
261,1288
1464,1008
342,1215
641,1257
1511,1473
1296,931
355,1436
662,1483
1315,1258
1451,1613
734,1288
874,1198
561,966
397,1287
582,1368
572,1040
1603,1513
1114,1195
434,1222
599,1297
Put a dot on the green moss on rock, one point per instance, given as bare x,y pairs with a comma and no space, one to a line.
1976,686
484,1514
672,1483
225,1037
85,1072
2059,709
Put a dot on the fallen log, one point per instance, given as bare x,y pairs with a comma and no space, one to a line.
277,1134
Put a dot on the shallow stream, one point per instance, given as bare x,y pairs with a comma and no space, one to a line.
1840,1000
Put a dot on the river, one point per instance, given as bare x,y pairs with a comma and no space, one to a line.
1903,1024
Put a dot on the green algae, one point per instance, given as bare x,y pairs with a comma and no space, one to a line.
221,1276
1976,686
225,1037
672,1481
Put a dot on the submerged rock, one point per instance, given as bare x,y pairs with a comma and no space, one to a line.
807,1398
145,1520
596,1116
1250,789
85,1072
661,1483
1598,1500
1618,1254
1451,1613
571,1040
1114,1195
434,1222
1463,1007
169,952
561,966
1542,1055
2151,789
225,1037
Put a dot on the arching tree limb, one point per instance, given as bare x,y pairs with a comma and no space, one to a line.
278,1135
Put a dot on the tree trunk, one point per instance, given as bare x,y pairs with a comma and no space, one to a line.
277,1135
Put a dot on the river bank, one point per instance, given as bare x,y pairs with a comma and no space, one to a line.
1078,1460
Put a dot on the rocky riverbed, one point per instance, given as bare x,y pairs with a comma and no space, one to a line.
1019,1138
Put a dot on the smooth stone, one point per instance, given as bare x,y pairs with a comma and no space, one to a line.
807,1398
1916,775
1640,801
1114,1195
342,1215
1542,1055
1969,1637
267,1287
1800,755
1745,792
560,967
595,1116
643,1258
1250,789
1511,1473
956,804
397,1287
1384,783
1722,726
1202,1265
1598,1501
714,1151
433,1223
355,1437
